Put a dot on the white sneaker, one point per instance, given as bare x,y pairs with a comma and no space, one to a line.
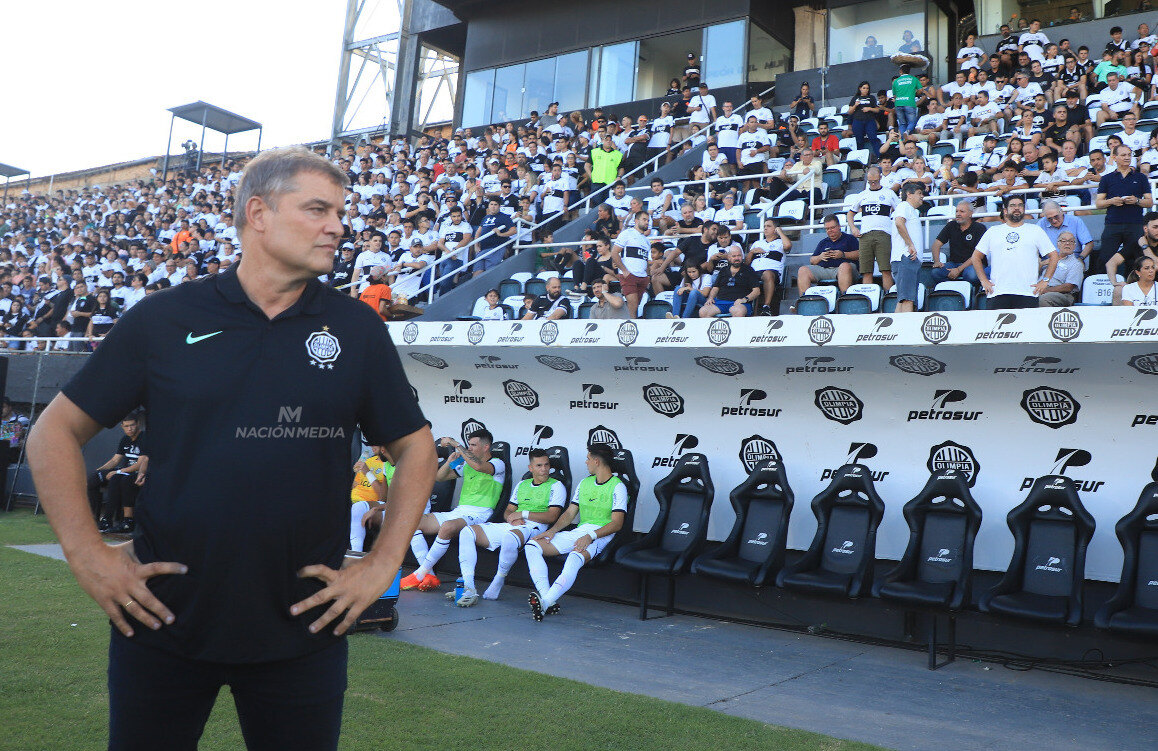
469,598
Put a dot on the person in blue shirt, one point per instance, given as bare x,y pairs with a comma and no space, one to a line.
503,228
835,258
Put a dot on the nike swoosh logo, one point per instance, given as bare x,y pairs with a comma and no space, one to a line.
190,339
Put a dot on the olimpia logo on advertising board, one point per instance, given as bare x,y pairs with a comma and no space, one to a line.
914,364
1065,325
954,457
1050,406
475,333
821,330
561,364
719,331
755,449
521,394
720,365
605,435
433,361
935,328
469,427
839,405
664,400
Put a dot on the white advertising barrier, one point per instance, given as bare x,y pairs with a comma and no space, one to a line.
1005,396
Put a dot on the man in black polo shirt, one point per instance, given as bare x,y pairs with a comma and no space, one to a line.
254,380
552,306
1123,193
962,237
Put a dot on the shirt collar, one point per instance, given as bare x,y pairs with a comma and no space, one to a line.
310,302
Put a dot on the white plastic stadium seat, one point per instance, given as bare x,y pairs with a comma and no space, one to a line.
848,144
479,306
516,303
841,168
973,142
789,211
545,275
521,276
943,209
920,294
828,292
961,287
665,296
1097,290
871,291
857,159
824,112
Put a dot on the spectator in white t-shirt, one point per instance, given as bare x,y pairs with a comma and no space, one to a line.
908,246
702,106
1013,249
727,127
1142,292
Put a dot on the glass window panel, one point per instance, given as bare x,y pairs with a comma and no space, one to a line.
767,57
571,80
616,74
663,58
476,102
539,86
724,55
508,102
880,28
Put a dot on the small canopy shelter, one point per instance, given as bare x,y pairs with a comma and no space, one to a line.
209,117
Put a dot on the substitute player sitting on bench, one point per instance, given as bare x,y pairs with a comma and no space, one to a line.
599,505
535,504
372,477
482,484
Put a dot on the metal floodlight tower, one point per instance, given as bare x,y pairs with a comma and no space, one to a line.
389,82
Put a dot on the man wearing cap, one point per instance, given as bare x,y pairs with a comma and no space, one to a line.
986,159
604,165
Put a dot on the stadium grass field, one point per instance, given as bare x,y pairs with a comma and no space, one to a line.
53,643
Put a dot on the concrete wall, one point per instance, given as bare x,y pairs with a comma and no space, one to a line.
840,82
1093,34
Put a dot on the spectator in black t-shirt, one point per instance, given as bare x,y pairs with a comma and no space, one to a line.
81,309
123,474
343,272
606,224
962,237
105,313
598,266
802,106
735,290
552,306
695,247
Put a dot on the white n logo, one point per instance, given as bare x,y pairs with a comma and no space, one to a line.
289,414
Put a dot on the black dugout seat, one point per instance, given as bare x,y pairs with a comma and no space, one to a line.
624,468
936,571
501,452
1134,607
442,494
840,559
1046,575
754,549
685,501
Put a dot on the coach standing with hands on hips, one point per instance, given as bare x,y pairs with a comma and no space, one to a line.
254,380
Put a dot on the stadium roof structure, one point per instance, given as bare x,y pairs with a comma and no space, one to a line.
210,117
7,171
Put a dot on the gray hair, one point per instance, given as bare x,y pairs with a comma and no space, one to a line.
1068,234
271,174
967,204
1050,204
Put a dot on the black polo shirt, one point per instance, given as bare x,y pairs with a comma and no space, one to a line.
961,243
250,429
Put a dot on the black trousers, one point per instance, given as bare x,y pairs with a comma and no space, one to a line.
159,700
8,454
1114,237
121,493
1012,302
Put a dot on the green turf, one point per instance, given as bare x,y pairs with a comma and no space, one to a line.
52,692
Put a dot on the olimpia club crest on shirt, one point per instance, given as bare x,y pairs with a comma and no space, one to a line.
323,348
